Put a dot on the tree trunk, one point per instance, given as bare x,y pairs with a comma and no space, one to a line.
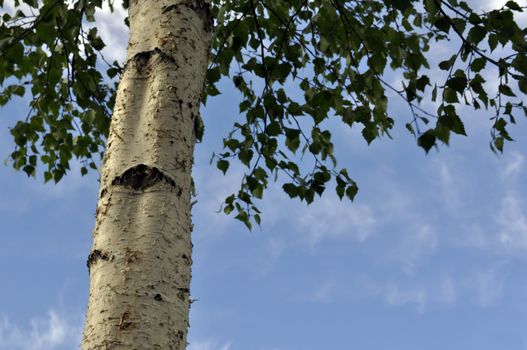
141,257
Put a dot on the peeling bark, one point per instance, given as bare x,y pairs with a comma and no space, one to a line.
141,257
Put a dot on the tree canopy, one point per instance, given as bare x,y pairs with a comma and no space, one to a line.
337,53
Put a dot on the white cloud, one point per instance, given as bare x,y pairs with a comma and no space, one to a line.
322,294
9,7
447,291
512,223
475,235
332,219
422,242
208,345
514,163
113,31
417,293
326,218
504,230
483,287
488,286
418,241
395,295
110,25
274,249
449,187
56,331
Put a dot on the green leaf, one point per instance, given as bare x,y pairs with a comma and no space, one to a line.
522,85
273,129
443,24
513,6
244,217
447,64
292,139
427,140
335,52
290,189
458,83
223,165
352,191
478,64
476,34
504,89
499,143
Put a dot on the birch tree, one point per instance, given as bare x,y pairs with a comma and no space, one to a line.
142,116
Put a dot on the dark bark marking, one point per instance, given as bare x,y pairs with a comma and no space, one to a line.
142,177
198,127
187,259
131,255
180,102
158,297
125,321
182,293
143,58
202,9
95,255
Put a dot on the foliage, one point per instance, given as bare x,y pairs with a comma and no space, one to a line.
48,53
338,53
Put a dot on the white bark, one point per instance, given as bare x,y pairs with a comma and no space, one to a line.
141,257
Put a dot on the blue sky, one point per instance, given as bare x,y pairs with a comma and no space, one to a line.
431,255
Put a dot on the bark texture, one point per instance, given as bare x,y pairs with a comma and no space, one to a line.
140,263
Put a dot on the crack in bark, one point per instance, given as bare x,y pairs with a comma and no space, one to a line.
95,255
202,9
142,177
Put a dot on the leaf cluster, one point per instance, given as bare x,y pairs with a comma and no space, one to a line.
338,54
50,55
300,66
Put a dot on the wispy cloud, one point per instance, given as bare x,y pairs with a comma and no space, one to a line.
447,291
483,287
323,293
395,295
208,345
332,219
421,241
488,286
449,186
514,163
419,294
512,223
275,247
53,332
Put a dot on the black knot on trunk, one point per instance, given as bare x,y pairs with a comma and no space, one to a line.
141,177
